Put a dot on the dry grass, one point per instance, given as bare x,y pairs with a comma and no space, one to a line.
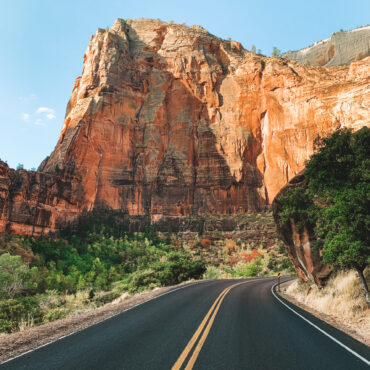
342,298
26,324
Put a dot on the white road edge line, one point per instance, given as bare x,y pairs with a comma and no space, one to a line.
319,329
107,318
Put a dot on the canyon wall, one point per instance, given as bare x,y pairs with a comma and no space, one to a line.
34,203
341,48
170,120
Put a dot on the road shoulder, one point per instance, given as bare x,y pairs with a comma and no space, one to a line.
332,320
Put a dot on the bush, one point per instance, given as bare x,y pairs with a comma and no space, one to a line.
206,243
106,298
253,268
15,276
211,273
142,280
13,311
178,268
56,314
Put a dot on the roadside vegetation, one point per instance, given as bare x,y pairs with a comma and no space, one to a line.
233,246
97,260
341,298
90,264
247,262
336,201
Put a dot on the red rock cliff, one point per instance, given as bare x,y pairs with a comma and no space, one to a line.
35,203
171,120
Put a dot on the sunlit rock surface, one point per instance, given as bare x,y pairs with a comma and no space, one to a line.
170,120
341,48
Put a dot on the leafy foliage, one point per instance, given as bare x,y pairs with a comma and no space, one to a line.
339,175
15,277
299,206
276,52
336,201
251,269
96,254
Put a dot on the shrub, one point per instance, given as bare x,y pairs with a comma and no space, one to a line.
15,276
211,273
56,314
253,268
275,52
143,279
179,268
13,311
106,298
206,243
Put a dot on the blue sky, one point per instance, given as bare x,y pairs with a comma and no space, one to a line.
42,44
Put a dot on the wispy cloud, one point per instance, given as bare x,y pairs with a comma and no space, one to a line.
50,113
39,122
25,117
29,98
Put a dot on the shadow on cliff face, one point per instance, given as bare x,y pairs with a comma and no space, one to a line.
34,202
192,174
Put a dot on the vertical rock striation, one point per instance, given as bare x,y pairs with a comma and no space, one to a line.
341,48
34,202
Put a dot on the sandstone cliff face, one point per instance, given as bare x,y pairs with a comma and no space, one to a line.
170,120
306,260
341,48
35,203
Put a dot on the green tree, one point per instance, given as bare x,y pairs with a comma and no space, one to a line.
275,52
253,49
335,203
339,182
15,276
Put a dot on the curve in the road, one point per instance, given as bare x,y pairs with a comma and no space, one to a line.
213,311
363,359
245,328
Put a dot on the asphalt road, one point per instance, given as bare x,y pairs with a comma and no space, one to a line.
203,326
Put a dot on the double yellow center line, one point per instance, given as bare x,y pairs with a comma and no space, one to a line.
211,316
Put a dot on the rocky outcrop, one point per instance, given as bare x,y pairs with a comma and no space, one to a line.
170,120
306,260
34,202
341,48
